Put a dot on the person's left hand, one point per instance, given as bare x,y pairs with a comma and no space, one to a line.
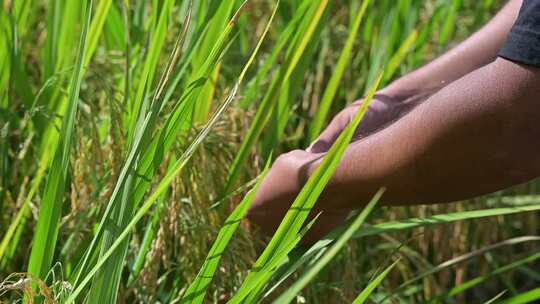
279,189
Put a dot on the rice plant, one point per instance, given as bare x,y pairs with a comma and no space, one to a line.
134,136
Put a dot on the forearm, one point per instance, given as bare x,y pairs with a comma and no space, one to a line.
407,92
478,135
473,53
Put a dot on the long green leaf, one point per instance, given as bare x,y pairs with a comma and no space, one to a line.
254,86
197,289
161,188
164,184
139,106
300,258
530,296
217,24
267,105
299,211
364,295
106,283
51,207
291,293
481,279
412,223
467,256
398,57
337,74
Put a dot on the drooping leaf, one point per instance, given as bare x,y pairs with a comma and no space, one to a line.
291,293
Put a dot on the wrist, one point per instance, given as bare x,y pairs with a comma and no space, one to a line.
399,92
406,98
413,85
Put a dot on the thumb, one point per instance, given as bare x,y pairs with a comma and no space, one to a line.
324,142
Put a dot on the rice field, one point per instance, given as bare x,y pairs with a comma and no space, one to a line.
135,134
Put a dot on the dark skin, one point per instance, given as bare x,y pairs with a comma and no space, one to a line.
462,126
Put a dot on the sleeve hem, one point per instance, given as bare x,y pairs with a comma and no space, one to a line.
522,49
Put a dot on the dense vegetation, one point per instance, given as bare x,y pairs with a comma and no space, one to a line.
132,131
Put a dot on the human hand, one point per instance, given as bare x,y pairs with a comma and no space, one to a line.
291,170
280,188
382,110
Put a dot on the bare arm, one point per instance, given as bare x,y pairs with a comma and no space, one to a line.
465,140
477,135
414,88
476,51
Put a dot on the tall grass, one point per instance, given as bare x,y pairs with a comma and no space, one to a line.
50,210
128,127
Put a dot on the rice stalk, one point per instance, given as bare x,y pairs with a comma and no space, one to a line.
50,210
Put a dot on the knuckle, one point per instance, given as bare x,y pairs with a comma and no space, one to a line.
281,159
357,103
290,160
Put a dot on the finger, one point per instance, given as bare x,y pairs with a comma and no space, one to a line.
330,134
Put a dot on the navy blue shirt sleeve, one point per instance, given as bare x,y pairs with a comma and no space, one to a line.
523,42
